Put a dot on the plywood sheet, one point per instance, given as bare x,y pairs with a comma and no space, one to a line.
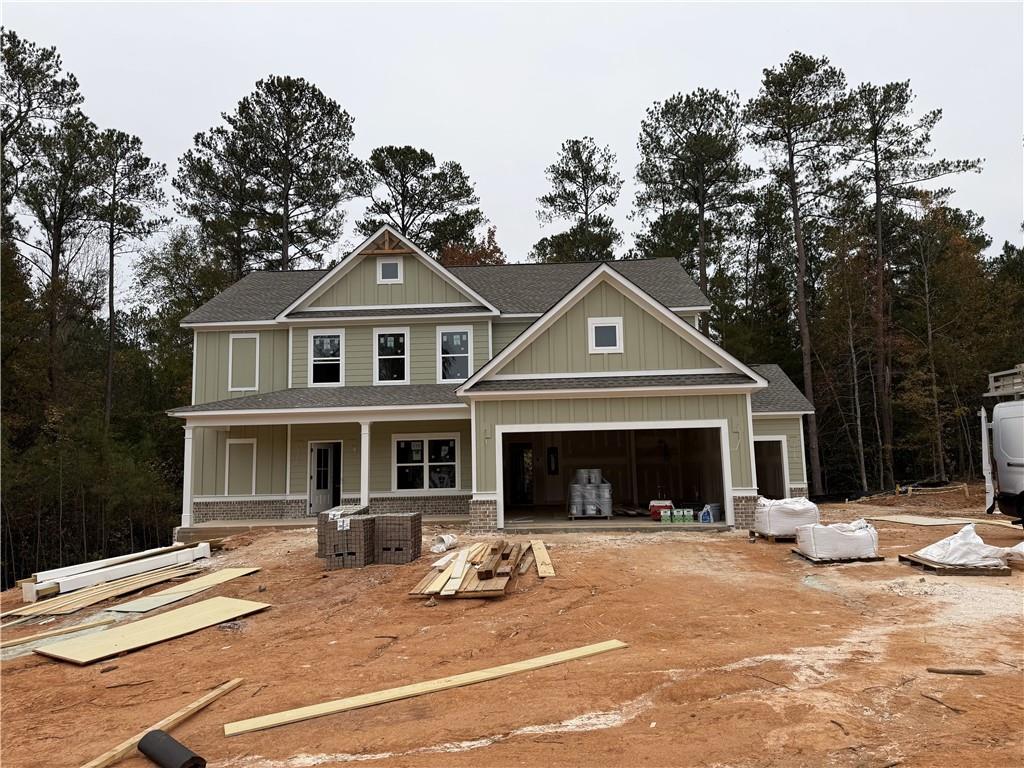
156,629
181,591
929,521
416,689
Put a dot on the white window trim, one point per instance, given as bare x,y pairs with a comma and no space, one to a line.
426,490
231,355
227,462
340,333
593,323
381,260
376,366
783,442
467,329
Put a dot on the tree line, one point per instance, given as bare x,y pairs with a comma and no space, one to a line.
802,213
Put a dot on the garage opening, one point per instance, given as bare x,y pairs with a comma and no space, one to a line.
683,466
769,463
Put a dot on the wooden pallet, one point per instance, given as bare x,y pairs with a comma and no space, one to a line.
770,538
953,570
822,561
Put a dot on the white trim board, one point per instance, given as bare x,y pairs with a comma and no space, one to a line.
606,374
500,430
275,416
604,273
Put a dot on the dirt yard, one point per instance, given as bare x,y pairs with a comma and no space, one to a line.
739,655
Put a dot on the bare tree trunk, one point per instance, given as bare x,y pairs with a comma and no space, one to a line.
803,321
878,435
702,261
108,404
285,240
940,459
881,372
855,388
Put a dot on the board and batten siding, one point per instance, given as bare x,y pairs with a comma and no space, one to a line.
347,433
789,426
491,413
506,330
420,285
648,344
211,373
422,350
209,458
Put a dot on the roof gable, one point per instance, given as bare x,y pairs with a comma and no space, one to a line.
353,282
701,345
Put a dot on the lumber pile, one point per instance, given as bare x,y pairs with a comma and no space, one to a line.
486,569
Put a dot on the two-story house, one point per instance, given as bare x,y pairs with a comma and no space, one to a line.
398,383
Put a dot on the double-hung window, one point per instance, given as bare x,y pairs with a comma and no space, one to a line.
604,335
426,462
454,353
390,355
327,358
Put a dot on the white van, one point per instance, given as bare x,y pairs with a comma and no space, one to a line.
1004,474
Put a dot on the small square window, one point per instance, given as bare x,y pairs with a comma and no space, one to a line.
605,335
389,270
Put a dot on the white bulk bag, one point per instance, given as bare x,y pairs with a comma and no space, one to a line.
965,547
841,541
782,517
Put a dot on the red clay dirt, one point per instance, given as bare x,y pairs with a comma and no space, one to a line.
739,655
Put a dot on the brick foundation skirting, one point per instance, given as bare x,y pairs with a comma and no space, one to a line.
247,509
796,491
428,506
483,516
743,511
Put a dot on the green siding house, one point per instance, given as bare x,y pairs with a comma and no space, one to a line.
394,382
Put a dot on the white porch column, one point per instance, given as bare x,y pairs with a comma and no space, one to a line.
364,463
186,482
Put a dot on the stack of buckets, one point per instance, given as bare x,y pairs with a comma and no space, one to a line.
589,496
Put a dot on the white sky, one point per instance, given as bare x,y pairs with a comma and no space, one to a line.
498,87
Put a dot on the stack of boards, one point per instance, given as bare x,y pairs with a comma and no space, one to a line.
483,570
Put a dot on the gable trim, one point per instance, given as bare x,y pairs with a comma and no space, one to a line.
604,374
355,257
641,297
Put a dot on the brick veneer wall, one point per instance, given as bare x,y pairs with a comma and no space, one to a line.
483,516
743,511
246,509
428,506
796,491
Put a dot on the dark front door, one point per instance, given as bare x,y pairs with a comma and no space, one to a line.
520,473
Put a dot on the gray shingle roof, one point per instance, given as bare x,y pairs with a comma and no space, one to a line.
512,288
780,396
601,382
257,296
333,397
529,288
345,313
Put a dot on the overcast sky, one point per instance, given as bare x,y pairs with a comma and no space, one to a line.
498,87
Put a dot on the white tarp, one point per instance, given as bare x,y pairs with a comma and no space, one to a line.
965,547
841,541
783,516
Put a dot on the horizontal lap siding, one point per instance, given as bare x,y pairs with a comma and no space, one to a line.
790,427
491,413
347,433
648,344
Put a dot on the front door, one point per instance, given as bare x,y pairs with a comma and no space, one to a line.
321,476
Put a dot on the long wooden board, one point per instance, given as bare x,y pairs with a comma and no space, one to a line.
156,629
416,689
55,633
132,568
540,554
95,565
128,746
181,591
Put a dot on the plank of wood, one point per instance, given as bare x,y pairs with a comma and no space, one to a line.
155,629
424,582
440,580
54,633
458,573
478,554
128,746
509,565
133,567
443,561
181,591
526,560
416,689
95,565
540,553
506,551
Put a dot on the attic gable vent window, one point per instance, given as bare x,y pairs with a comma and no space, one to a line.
389,270
605,335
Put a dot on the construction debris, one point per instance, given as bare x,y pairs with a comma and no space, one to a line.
181,591
416,689
125,748
167,752
540,552
479,570
156,629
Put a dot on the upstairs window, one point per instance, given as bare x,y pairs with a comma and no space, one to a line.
243,362
391,356
426,462
327,358
389,270
454,356
605,334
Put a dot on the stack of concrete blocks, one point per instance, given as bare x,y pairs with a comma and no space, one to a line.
345,538
397,537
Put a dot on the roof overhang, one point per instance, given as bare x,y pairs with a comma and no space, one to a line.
354,414
591,392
